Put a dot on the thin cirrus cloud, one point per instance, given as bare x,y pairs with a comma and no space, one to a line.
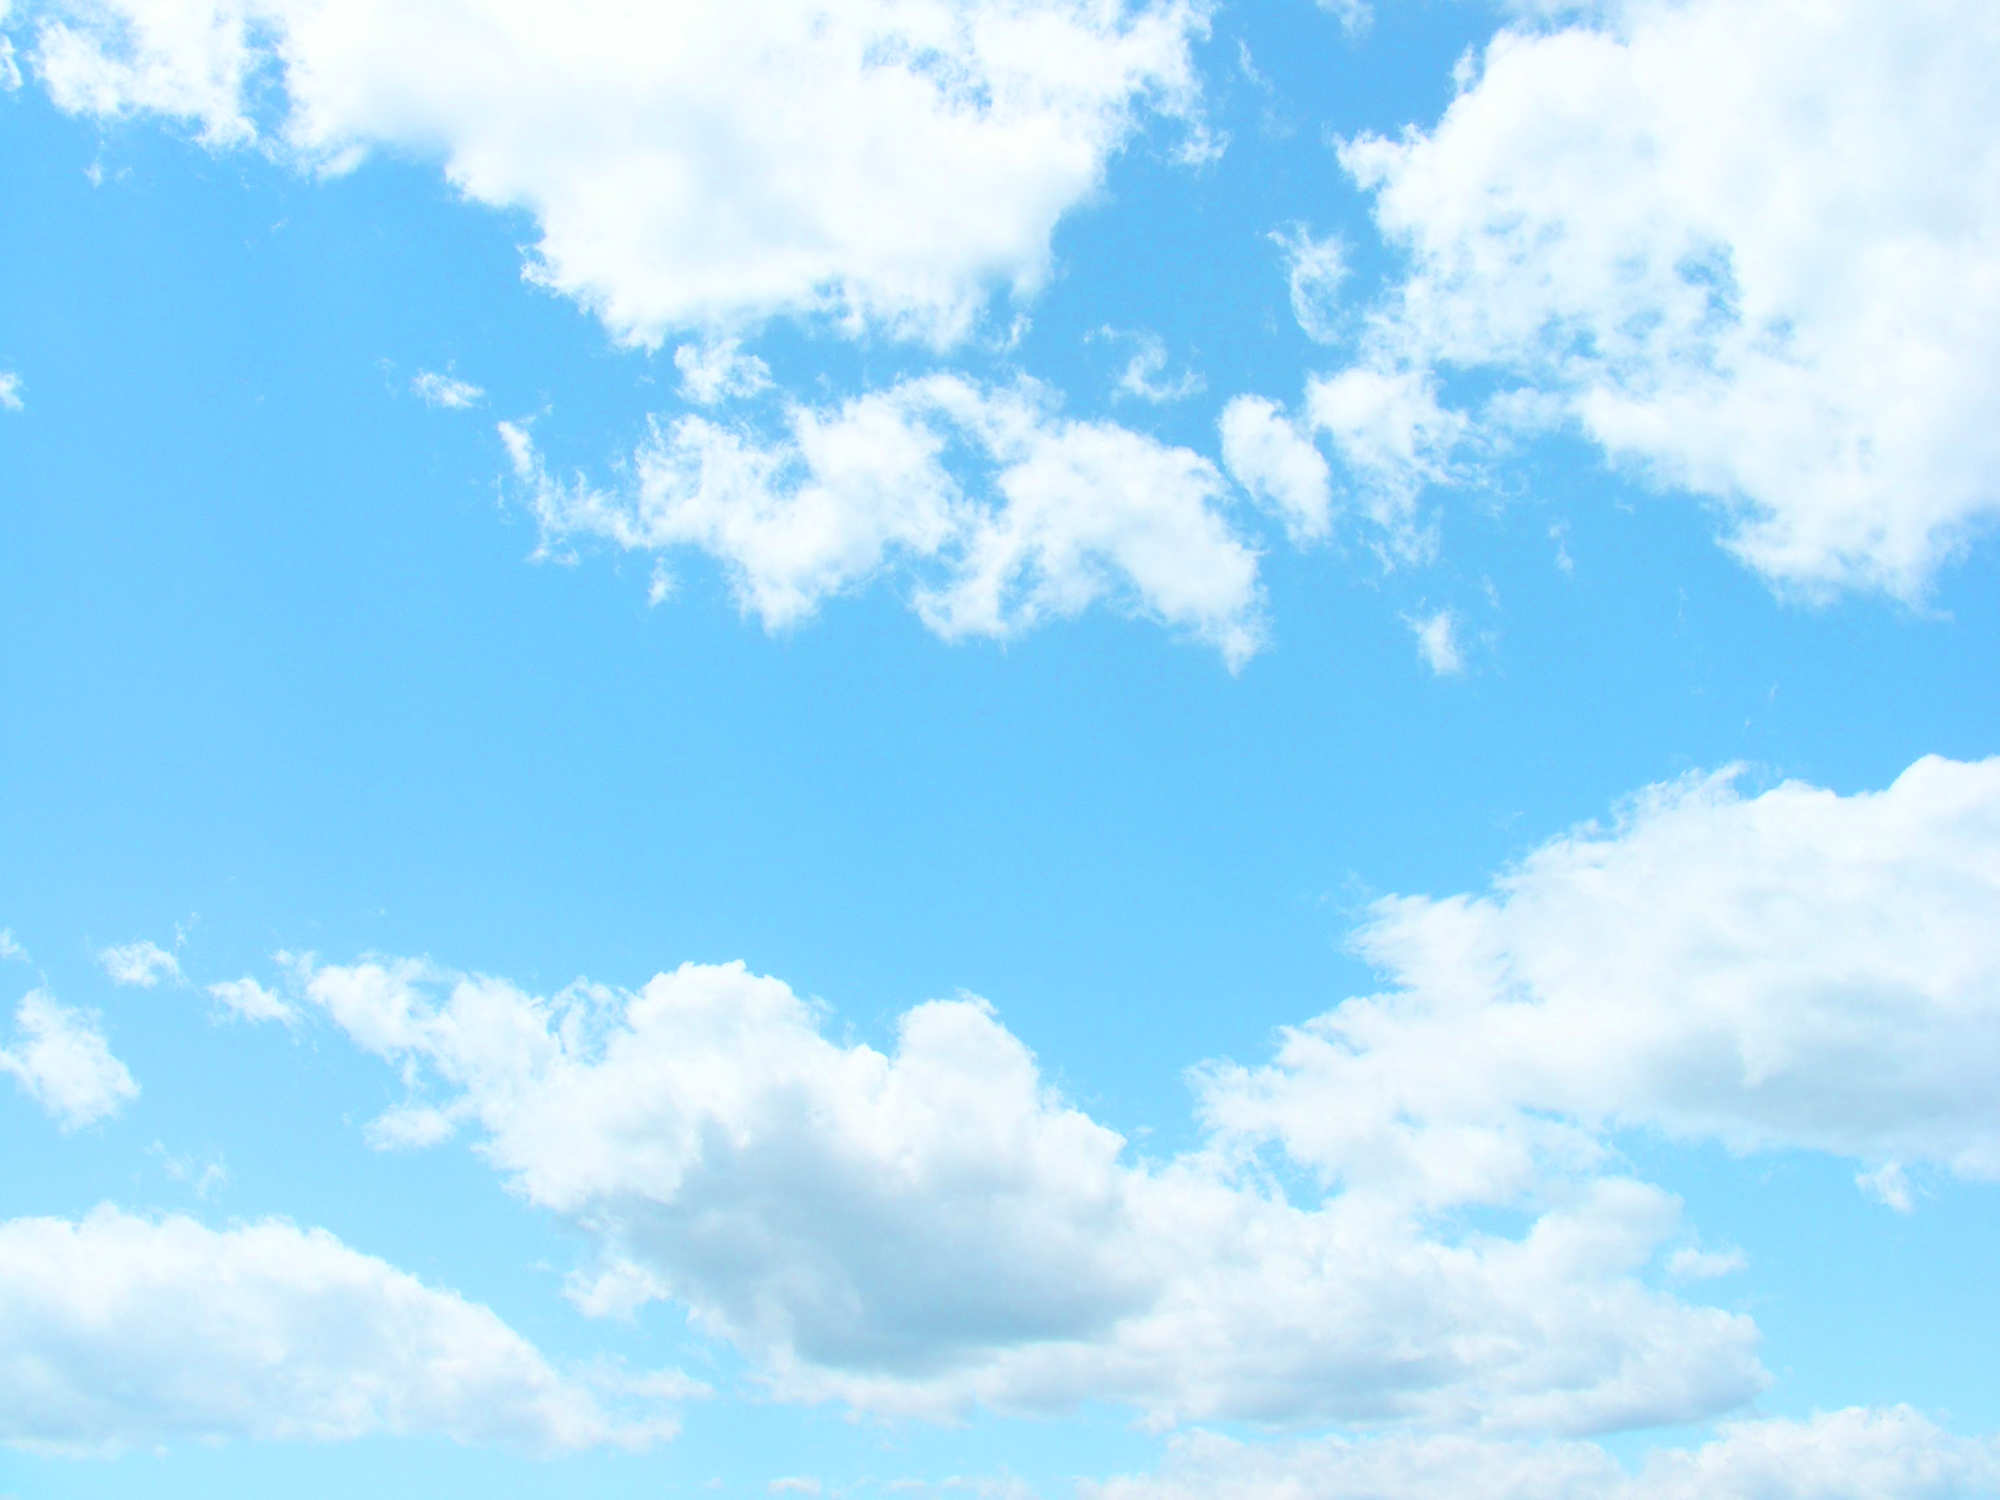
61,1058
1713,239
1069,514
888,164
128,1331
932,1228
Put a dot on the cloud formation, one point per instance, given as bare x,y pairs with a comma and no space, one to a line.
1793,970
140,965
447,391
887,163
1055,516
64,1062
127,1331
1717,242
933,1228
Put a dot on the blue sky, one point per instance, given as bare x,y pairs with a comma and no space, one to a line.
1055,749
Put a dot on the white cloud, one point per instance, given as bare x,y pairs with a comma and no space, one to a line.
1888,1185
1144,375
142,964
891,162
125,1331
1857,1454
10,383
1791,970
1718,241
1690,1264
1268,455
447,391
63,1061
247,1000
718,371
10,946
1315,271
1437,641
932,1227
1071,513
1392,436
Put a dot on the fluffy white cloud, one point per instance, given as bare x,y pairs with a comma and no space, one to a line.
1796,969
247,1000
701,166
718,371
63,1061
1892,1454
447,391
1267,453
1437,641
141,965
1720,241
1070,512
1392,436
10,383
932,1226
1389,432
124,1331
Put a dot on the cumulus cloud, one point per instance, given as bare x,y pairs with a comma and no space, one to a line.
1718,243
247,1000
1389,433
1070,513
1796,969
1276,462
930,1227
887,162
1392,436
719,371
1437,641
62,1059
140,965
127,1331
447,391
1857,1454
